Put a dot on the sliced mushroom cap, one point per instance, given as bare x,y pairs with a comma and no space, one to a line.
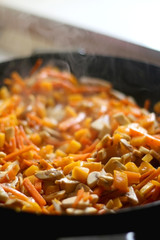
67,184
51,174
92,179
121,118
3,195
114,163
132,196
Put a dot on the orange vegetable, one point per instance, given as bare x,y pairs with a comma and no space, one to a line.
15,192
64,125
33,192
133,177
120,181
13,155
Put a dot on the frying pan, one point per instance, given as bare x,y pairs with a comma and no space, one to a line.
140,80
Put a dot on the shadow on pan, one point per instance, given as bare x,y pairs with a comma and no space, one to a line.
140,80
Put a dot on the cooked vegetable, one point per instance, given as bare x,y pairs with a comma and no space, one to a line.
75,147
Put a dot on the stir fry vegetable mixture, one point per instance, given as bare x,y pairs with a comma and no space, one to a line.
75,147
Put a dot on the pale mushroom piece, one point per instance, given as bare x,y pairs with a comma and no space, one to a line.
155,154
143,150
94,81
84,186
69,202
102,154
121,118
2,154
57,205
92,179
86,211
126,144
9,133
58,195
51,174
3,195
101,122
114,163
117,94
67,184
105,181
132,196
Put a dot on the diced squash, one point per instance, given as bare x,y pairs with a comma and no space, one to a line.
131,166
31,170
147,158
93,166
73,147
33,207
81,133
145,167
133,177
36,138
80,173
120,181
2,139
68,168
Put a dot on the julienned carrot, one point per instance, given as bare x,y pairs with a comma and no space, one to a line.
11,174
33,192
133,177
12,156
150,140
64,125
91,89
90,148
79,156
154,174
120,181
36,66
80,194
15,192
17,78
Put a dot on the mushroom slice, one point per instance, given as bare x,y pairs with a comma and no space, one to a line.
114,163
132,196
105,181
86,211
3,195
121,118
67,184
69,203
58,195
92,179
101,123
51,174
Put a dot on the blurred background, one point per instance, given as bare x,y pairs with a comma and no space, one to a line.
123,28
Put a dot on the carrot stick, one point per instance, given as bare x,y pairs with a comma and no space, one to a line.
81,157
33,192
12,156
36,66
91,147
64,125
150,140
11,174
154,174
15,192
133,177
17,78
80,194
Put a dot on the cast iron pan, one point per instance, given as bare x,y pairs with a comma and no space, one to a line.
140,80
